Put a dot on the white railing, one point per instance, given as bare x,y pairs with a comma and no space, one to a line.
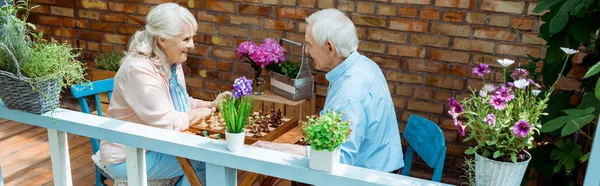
221,164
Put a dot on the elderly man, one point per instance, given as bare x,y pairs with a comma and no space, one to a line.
356,86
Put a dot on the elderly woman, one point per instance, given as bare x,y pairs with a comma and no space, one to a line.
150,89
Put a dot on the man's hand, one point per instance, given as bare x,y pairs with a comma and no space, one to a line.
287,148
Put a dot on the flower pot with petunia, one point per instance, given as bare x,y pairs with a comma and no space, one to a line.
235,110
326,134
503,119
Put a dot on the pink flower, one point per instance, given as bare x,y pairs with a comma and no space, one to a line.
498,102
461,128
521,129
455,107
490,119
265,54
245,48
481,69
519,74
532,82
505,93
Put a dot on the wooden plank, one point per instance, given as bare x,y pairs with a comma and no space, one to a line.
220,175
279,107
59,153
89,180
267,106
292,110
45,177
249,179
257,105
16,139
292,136
136,166
189,171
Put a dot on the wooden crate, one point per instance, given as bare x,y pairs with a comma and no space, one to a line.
291,109
300,88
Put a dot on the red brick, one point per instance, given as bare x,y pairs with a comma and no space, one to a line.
260,34
89,35
279,25
423,93
225,66
473,84
101,26
371,47
426,66
307,3
473,45
362,32
121,7
403,90
470,4
157,1
496,34
410,51
532,38
127,30
209,17
453,16
295,37
137,20
223,53
221,6
499,20
291,13
326,4
464,71
89,14
302,27
93,46
450,56
51,20
208,28
523,23
365,7
42,9
61,11
398,102
143,9
407,12
445,82
421,2
193,82
385,35
442,95
432,14
369,20
288,2
255,10
518,50
238,20
388,10
404,77
70,22
406,114
214,85
200,50
429,40
451,29
408,25
64,32
476,17
209,63
110,17
270,2
388,62
346,7
219,41
233,31
114,38
425,106
503,6
568,84
487,59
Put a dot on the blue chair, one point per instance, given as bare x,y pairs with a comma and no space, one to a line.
426,138
82,91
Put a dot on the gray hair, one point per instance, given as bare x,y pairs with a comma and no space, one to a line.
333,25
163,21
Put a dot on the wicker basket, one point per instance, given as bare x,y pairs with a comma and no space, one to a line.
18,93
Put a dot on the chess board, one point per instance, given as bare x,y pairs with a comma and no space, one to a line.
264,126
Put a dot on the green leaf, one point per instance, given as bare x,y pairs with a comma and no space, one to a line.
597,90
575,124
554,124
566,153
545,5
486,153
559,21
593,70
490,143
579,9
513,157
557,168
470,151
585,157
579,112
581,28
497,154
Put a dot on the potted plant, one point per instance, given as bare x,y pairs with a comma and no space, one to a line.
325,134
235,110
259,57
503,119
105,65
33,70
292,80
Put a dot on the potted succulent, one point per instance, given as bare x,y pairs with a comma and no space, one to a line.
235,110
293,81
503,119
105,65
325,134
33,70
259,57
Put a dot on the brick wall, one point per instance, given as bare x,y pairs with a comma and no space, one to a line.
426,48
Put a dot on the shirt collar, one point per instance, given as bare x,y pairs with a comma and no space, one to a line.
338,71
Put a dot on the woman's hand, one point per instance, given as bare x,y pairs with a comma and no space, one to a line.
215,103
197,114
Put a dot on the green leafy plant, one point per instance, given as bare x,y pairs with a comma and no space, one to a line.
327,131
236,108
288,69
469,174
108,61
15,34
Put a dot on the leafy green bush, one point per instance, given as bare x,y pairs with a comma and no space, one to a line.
288,69
328,131
108,61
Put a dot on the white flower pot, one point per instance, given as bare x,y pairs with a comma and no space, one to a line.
235,142
323,160
490,172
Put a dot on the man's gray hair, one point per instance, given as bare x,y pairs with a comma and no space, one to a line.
332,25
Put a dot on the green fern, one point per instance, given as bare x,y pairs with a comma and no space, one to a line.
108,61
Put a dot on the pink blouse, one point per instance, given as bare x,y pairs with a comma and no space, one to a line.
141,95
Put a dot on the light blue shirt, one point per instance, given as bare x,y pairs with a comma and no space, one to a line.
358,87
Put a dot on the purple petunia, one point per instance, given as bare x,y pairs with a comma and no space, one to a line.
505,93
481,70
521,129
241,87
490,119
460,127
532,82
498,102
519,74
455,107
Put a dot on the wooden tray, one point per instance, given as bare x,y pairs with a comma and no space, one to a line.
286,125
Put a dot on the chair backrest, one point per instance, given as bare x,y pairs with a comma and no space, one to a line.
81,91
426,139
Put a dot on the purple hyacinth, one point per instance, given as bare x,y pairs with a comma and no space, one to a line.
460,127
246,47
519,74
490,119
481,69
521,129
241,87
505,93
455,107
498,102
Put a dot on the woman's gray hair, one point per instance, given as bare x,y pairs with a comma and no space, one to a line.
332,25
163,21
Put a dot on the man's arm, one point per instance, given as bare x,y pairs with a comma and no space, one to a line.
355,113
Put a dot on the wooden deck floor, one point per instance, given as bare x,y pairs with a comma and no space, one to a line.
25,157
